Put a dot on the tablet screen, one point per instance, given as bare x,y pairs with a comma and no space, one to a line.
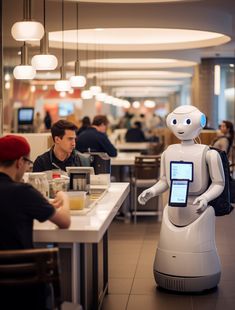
181,170
179,193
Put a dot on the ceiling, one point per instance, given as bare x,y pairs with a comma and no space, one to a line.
124,36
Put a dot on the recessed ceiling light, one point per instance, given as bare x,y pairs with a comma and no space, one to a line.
139,38
139,82
139,92
137,74
136,1
136,63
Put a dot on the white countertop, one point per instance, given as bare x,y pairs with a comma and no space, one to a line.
88,228
139,146
124,159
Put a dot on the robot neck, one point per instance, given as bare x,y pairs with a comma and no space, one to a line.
187,142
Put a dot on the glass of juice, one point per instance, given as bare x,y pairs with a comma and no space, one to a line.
77,200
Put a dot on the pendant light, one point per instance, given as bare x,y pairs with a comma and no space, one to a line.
44,61
62,84
86,94
24,71
27,30
77,80
95,89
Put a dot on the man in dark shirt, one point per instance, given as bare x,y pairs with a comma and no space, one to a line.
62,154
94,138
21,203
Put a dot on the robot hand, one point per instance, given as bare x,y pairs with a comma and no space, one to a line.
203,203
145,196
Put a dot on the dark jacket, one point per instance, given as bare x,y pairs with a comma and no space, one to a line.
135,135
94,141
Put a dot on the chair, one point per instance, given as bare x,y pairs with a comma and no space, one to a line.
146,174
155,148
30,279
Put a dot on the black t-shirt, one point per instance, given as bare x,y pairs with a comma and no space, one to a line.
48,161
20,205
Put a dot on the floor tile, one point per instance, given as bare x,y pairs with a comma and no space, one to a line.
115,302
153,302
120,286
132,251
143,286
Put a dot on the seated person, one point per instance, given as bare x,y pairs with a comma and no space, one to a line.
85,124
21,204
224,141
94,138
63,153
135,134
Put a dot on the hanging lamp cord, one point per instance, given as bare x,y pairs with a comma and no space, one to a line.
44,14
62,66
77,33
27,9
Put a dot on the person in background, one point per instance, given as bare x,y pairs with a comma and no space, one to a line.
86,122
37,122
21,204
94,138
225,139
63,153
47,120
135,134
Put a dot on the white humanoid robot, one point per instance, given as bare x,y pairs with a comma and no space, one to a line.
186,258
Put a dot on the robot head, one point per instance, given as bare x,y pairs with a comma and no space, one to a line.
186,122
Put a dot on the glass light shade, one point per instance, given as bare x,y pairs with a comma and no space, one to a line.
149,104
126,104
136,104
86,94
44,62
95,90
62,85
24,72
27,31
108,99
77,81
101,96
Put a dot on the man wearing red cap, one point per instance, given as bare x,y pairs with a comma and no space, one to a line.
20,202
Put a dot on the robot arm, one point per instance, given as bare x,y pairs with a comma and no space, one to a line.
157,188
217,180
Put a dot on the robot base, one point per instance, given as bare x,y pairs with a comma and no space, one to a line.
186,258
183,284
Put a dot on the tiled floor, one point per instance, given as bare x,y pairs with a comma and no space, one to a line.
131,283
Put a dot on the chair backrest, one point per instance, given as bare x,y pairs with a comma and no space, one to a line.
19,268
147,167
155,148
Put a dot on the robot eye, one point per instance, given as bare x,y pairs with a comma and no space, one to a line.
187,121
173,121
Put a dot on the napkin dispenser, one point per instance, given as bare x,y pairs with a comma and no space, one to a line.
79,178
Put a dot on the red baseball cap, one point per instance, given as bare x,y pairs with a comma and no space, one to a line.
12,147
